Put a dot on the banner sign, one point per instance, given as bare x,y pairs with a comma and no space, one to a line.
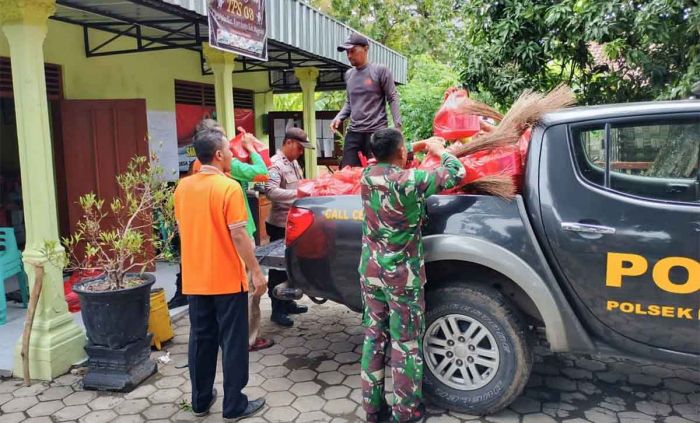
238,26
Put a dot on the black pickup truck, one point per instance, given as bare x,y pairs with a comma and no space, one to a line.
601,249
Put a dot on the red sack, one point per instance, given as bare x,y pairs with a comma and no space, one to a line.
343,182
500,161
363,159
71,297
430,162
451,122
239,151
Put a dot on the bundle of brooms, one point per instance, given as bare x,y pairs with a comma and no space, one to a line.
527,110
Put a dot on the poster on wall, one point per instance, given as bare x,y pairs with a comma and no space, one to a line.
238,26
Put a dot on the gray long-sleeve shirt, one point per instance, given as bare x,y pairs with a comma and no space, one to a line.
369,88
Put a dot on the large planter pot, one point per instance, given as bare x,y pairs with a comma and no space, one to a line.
118,347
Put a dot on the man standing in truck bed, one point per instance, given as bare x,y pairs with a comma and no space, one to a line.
392,272
369,87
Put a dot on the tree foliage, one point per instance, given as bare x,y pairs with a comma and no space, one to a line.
646,49
411,27
325,100
423,95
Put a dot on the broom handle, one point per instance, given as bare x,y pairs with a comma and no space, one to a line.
33,300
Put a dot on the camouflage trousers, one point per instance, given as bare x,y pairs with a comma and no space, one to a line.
395,316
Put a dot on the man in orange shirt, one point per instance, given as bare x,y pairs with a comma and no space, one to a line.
215,251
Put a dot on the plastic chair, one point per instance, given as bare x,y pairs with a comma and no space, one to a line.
11,264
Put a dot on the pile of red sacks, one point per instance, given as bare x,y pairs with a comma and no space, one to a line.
509,160
454,125
343,182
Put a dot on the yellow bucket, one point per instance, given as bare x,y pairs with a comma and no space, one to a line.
159,320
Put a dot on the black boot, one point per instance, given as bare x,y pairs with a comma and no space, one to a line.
384,414
418,414
282,319
294,308
178,299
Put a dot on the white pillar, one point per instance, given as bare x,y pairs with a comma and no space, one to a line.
56,342
222,63
307,79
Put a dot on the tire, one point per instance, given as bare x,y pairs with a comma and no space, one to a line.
497,361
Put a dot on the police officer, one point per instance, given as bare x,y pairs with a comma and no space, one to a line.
281,189
392,273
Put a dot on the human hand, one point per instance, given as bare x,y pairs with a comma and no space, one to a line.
259,283
248,140
454,148
335,124
433,145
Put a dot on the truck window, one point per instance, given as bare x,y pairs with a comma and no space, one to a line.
655,159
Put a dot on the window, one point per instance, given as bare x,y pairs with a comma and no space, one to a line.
655,159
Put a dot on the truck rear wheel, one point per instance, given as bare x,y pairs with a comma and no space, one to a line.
477,352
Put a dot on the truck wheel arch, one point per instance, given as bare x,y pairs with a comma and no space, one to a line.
502,261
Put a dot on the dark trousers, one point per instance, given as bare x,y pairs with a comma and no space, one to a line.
178,283
354,143
219,321
276,277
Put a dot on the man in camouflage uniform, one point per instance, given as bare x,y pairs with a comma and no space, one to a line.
392,274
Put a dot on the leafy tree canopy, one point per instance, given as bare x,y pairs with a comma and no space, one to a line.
608,51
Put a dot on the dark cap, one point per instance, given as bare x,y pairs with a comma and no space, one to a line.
353,40
298,134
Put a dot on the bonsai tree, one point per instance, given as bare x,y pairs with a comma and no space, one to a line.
137,216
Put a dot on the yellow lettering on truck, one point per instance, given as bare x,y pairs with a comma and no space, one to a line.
663,268
621,265
616,269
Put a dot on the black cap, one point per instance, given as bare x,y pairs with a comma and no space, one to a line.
298,134
353,40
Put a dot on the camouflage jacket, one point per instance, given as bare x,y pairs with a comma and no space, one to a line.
394,205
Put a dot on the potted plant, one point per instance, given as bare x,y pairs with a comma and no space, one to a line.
120,242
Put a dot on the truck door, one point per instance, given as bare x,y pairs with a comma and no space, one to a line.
620,206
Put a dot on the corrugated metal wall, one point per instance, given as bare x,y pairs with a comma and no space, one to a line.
297,24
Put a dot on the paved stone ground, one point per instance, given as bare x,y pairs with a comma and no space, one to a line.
312,375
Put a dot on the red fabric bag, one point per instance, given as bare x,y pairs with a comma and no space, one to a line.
343,182
240,152
77,276
451,122
500,161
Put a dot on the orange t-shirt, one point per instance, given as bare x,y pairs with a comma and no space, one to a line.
207,206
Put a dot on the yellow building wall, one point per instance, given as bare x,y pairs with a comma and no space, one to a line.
147,75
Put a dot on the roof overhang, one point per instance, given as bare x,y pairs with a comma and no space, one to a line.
298,36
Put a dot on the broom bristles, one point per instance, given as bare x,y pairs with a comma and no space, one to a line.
480,109
501,186
527,110
486,142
